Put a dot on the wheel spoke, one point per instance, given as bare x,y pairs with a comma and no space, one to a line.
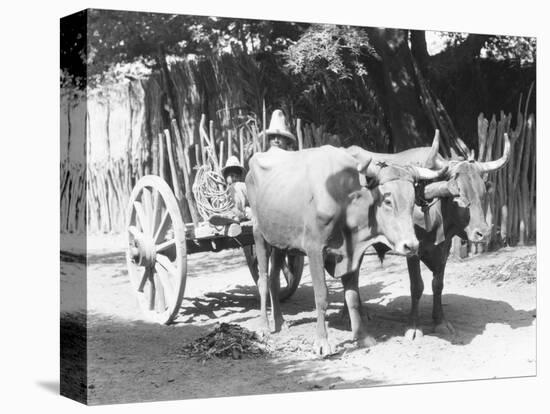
152,293
165,245
156,210
163,227
166,282
160,299
286,272
146,276
167,264
141,217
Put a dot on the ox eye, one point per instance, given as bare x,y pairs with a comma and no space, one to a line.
387,202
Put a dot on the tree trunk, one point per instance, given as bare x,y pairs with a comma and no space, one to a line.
409,124
169,88
419,49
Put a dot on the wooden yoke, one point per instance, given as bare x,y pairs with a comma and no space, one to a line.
441,189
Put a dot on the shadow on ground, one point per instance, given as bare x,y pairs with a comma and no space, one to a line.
139,361
386,321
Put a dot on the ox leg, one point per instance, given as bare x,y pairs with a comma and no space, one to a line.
353,305
417,288
344,313
262,253
277,259
363,310
321,346
441,325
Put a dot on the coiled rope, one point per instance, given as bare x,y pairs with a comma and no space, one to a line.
211,192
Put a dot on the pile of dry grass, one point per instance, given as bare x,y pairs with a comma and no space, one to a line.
226,341
522,269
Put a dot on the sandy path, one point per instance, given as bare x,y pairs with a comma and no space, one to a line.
132,360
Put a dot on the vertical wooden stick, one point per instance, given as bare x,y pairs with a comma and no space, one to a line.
264,136
211,133
187,181
532,181
229,144
202,132
213,144
482,126
299,134
241,145
221,154
178,145
154,155
198,159
162,173
175,180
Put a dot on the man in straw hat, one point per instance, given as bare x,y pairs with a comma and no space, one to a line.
278,134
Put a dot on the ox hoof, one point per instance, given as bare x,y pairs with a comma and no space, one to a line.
322,348
413,333
263,331
366,342
444,328
281,326
263,334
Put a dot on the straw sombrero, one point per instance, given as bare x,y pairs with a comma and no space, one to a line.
278,126
233,164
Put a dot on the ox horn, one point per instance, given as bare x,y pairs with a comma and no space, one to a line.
430,160
421,173
488,166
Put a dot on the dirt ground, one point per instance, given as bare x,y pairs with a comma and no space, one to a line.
490,299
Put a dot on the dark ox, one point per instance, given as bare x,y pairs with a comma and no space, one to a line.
311,201
457,210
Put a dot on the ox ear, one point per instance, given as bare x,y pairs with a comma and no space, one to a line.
362,157
462,202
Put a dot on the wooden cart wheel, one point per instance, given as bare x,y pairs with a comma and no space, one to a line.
157,251
293,267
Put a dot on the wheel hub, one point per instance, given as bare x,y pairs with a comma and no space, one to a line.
142,249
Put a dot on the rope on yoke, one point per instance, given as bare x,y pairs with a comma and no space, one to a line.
211,192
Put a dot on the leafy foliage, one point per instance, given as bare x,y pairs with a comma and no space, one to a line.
326,74
512,48
123,37
330,64
330,47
